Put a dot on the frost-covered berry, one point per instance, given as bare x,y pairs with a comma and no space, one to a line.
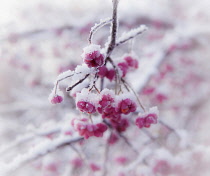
86,107
126,106
106,101
87,129
146,119
111,113
92,56
131,62
86,101
56,96
56,99
123,67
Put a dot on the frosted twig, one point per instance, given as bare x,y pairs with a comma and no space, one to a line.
40,150
114,28
29,137
98,26
80,81
128,86
131,34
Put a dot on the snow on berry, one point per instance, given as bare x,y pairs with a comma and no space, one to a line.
148,118
86,101
56,97
126,104
92,56
123,67
87,129
85,106
107,100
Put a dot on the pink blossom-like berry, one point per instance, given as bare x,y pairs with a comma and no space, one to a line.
147,120
102,71
92,56
85,106
131,62
106,102
111,113
87,129
126,106
120,125
123,67
94,167
56,99
110,74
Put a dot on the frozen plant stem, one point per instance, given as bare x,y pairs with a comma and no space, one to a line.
114,28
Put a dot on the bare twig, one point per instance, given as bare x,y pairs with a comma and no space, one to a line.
131,34
80,81
114,28
98,26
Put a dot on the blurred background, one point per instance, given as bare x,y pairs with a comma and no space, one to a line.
39,39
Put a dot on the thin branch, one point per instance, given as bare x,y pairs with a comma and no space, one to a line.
80,81
113,29
98,26
39,151
140,104
131,34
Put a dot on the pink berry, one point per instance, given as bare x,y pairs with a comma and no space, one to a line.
123,67
120,125
126,106
110,74
92,56
87,129
106,102
56,99
131,62
146,120
111,113
86,107
102,71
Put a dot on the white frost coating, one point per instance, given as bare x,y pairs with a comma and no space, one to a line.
64,75
86,95
90,49
152,110
37,151
102,23
53,94
126,95
132,33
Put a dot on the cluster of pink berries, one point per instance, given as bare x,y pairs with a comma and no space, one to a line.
92,56
146,119
87,129
128,64
113,108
